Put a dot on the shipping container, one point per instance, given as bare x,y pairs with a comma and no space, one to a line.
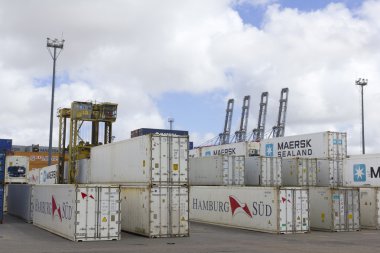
145,131
158,211
330,172
5,198
370,208
83,173
34,176
1,202
326,145
48,175
267,209
38,160
16,169
263,171
216,170
20,201
299,171
334,209
78,212
2,167
362,171
152,159
236,149
5,145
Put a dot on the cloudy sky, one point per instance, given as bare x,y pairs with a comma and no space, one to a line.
184,59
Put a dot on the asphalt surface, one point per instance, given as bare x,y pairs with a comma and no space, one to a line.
18,236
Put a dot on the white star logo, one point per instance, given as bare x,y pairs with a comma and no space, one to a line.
269,150
359,173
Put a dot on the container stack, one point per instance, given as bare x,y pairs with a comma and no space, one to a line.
5,146
363,172
316,161
152,171
218,196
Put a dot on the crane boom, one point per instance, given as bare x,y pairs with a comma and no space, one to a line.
224,138
258,133
241,134
279,129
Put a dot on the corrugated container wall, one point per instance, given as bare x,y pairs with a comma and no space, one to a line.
5,145
370,208
20,201
216,170
330,145
362,171
330,172
2,167
334,209
159,211
78,212
267,209
1,202
299,172
152,159
263,171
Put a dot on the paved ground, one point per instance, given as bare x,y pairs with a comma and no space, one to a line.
18,236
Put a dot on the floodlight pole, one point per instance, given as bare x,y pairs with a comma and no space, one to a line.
171,120
55,44
362,82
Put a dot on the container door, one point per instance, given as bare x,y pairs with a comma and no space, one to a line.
337,146
169,211
287,221
356,209
302,171
312,172
160,159
109,213
227,170
239,170
178,159
86,218
159,212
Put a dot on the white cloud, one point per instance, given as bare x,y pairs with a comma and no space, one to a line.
130,52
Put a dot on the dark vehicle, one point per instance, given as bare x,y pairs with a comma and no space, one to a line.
16,171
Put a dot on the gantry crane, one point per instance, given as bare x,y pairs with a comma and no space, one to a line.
78,147
224,138
279,129
241,134
258,133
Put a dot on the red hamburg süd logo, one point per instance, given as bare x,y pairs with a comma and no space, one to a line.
236,206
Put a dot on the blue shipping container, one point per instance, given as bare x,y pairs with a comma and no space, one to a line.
5,145
2,167
1,202
144,131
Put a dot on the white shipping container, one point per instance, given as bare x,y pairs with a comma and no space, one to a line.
299,172
362,171
158,211
216,170
266,209
20,201
83,173
263,171
16,169
334,209
153,159
34,176
78,212
331,145
370,208
48,175
330,172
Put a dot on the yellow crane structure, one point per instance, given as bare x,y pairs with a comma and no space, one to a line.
78,147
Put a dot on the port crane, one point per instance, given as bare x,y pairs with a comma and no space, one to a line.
258,133
279,129
224,138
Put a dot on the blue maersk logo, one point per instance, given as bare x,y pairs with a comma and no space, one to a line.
359,173
268,149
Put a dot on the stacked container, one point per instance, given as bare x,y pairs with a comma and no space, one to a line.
218,194
364,171
316,160
153,173
5,146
